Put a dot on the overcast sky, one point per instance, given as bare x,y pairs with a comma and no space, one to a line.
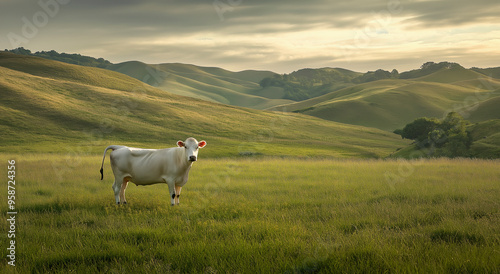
281,36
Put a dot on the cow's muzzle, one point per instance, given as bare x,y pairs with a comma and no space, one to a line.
192,158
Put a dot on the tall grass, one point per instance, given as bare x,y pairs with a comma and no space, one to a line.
260,215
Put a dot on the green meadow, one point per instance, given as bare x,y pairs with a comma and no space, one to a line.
258,215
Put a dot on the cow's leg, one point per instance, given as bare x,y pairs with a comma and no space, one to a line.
116,188
171,188
122,191
177,194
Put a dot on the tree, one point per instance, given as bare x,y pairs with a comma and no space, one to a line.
437,137
457,145
454,123
427,65
20,50
266,82
398,131
420,128
448,137
65,57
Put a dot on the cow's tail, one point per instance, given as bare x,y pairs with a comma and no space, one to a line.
112,147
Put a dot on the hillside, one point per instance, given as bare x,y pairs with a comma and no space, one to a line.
206,83
380,99
48,106
308,83
491,72
390,104
486,137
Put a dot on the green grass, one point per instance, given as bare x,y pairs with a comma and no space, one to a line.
265,215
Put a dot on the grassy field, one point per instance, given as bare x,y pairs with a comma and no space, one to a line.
258,215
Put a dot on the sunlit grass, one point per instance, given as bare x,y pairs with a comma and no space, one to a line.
260,215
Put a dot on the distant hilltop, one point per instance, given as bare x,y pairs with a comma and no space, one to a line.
74,58
426,69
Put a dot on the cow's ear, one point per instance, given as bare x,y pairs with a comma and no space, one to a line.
202,144
180,143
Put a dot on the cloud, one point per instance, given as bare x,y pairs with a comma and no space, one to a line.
441,14
276,35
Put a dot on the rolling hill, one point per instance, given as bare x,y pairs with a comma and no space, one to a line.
49,106
486,137
207,83
380,99
391,103
249,88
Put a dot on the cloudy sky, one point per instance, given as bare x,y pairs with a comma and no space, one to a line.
279,35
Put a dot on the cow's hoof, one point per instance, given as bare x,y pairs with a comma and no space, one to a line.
124,203
118,203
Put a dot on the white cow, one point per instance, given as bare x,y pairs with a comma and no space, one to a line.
152,166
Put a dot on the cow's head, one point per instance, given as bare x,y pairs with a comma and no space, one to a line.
191,146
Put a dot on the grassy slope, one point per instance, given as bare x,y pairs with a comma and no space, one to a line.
486,136
234,88
486,109
383,104
390,104
332,216
451,75
242,89
492,72
207,83
50,106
